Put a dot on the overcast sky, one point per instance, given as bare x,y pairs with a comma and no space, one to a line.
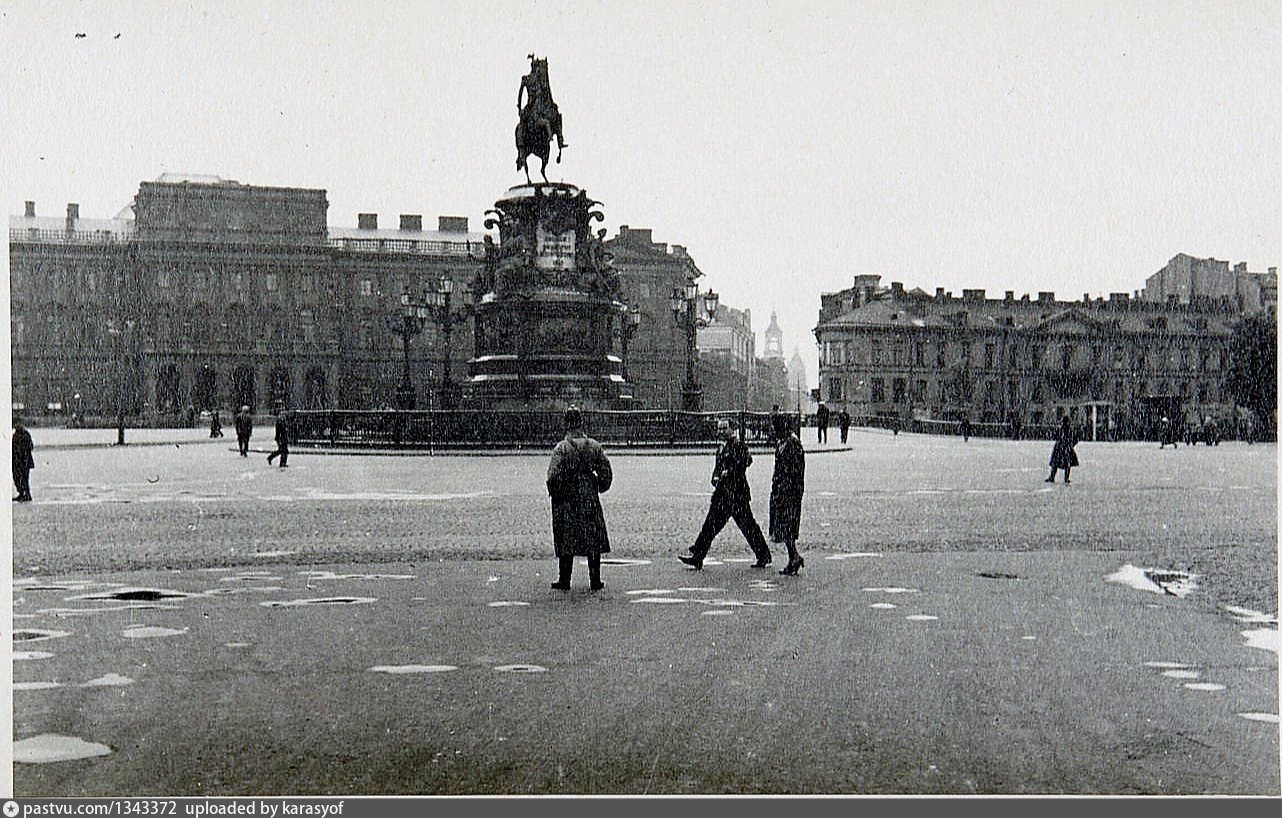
1067,146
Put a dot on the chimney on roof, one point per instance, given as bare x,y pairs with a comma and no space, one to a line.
897,289
31,210
412,221
973,295
73,215
1010,296
451,224
1240,267
1045,297
1024,298
1272,270
939,292
1086,298
367,221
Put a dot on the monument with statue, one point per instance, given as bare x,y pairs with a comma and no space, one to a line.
547,311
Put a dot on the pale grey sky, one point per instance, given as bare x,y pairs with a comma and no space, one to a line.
1068,146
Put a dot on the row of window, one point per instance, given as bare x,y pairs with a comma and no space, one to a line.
1041,356
924,391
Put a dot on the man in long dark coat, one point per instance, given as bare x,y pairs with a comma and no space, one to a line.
23,461
821,422
843,423
787,485
578,473
731,499
244,428
282,439
1064,454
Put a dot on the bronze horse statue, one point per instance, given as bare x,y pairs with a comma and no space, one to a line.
540,120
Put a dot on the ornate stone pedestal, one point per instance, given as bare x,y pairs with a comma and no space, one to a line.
547,315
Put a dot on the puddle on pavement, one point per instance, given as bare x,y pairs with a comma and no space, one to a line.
50,747
311,575
1250,616
507,603
1209,686
63,586
268,554
1271,718
660,600
718,613
1181,674
1029,638
699,590
892,589
412,668
618,561
30,655
37,634
150,632
920,618
136,595
1165,664
1264,639
740,559
885,606
739,603
109,609
324,600
1154,580
36,685
521,669
251,578
851,556
109,680
763,585
650,591
244,589
995,575
236,645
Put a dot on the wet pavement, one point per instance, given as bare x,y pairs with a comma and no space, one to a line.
254,646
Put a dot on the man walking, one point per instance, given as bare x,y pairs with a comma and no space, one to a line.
731,499
23,461
244,428
843,423
821,421
282,438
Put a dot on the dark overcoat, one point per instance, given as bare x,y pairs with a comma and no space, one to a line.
22,450
787,485
1064,455
578,472
244,424
730,474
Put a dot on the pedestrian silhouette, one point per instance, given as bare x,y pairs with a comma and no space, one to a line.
731,499
577,474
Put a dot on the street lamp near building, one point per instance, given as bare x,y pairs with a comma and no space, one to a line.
445,314
413,315
629,321
691,311
435,304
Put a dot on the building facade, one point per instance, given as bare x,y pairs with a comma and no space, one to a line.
1112,366
209,294
1185,279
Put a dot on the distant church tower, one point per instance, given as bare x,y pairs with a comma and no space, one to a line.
798,391
774,339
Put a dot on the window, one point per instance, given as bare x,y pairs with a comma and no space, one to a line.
878,389
271,282
898,387
990,355
162,278
940,350
919,391
835,390
876,352
1066,356
367,287
919,354
307,282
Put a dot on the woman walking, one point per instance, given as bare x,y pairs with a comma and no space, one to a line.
787,485
1063,456
579,471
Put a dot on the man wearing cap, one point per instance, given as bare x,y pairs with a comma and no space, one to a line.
578,473
244,428
731,499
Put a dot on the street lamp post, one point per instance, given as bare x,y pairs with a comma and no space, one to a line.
442,308
689,311
629,321
413,316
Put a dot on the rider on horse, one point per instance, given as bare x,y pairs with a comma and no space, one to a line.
540,109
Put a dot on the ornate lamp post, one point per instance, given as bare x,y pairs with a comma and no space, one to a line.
441,303
413,316
691,312
629,321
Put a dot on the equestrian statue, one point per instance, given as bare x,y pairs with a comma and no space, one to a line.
540,119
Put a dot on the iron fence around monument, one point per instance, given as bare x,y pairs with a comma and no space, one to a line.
501,429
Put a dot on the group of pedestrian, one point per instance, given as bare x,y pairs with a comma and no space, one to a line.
823,417
579,472
244,422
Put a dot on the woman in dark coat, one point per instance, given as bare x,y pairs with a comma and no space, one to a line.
786,487
579,471
1063,456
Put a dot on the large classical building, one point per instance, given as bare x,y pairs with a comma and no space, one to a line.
206,293
1112,366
